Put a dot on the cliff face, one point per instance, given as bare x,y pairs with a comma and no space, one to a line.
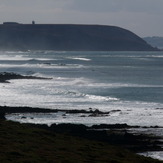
69,37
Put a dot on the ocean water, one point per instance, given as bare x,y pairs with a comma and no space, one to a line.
128,84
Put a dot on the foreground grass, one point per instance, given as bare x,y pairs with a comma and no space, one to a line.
24,144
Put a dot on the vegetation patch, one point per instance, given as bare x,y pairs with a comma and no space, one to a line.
22,143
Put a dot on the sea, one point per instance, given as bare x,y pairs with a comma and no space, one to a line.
128,85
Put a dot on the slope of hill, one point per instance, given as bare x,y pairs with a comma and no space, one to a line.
14,36
155,41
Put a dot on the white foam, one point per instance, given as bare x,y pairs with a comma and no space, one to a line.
101,98
14,58
156,56
120,85
122,116
82,59
156,155
17,52
74,91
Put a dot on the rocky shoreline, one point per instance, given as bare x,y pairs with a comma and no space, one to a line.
6,76
113,134
116,134
31,143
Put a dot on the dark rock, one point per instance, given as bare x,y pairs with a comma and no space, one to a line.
111,126
2,115
8,110
23,117
69,127
5,76
83,116
116,134
97,115
112,111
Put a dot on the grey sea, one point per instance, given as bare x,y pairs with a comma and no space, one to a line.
128,84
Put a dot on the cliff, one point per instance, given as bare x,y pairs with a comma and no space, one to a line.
14,36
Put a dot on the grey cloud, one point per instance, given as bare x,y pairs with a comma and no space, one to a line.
140,16
34,3
148,6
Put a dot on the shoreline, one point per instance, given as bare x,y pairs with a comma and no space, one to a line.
6,76
30,143
122,135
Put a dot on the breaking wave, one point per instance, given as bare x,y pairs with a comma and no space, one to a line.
92,97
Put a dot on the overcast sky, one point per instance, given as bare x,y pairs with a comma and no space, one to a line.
143,17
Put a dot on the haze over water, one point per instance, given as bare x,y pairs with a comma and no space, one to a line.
129,84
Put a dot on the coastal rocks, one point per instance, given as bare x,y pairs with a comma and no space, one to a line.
112,126
58,112
9,110
2,115
5,76
116,134
97,113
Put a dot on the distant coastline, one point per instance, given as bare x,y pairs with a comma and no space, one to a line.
69,37
155,41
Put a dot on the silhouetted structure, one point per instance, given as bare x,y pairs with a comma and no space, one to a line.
10,23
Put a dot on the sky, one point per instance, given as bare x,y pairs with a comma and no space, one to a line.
143,17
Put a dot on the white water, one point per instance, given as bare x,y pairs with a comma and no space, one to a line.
128,84
125,81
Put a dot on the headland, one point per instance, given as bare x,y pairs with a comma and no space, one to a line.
69,37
